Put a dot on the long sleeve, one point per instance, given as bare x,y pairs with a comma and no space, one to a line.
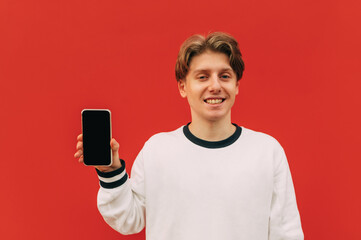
121,200
285,223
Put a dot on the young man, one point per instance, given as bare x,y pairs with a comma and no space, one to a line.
209,179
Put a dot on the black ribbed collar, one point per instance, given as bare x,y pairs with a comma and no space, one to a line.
212,144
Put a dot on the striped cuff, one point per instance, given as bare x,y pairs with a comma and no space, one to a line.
113,179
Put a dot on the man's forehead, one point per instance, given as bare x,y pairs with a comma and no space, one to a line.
209,60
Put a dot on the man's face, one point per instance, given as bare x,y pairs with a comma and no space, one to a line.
210,86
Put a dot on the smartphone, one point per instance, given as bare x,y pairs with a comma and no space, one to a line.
97,133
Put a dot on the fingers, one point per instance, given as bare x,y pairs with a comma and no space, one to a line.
78,154
80,137
79,146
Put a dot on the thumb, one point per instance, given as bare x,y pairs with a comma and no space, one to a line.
115,147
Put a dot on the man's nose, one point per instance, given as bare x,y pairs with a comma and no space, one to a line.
214,84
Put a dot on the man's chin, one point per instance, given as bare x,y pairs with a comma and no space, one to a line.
215,117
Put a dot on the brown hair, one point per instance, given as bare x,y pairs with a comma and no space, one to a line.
217,42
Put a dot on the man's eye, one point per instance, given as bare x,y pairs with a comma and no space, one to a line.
202,77
225,76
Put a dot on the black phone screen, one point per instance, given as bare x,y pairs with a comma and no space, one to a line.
96,137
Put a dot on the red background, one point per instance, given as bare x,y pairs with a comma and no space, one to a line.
301,85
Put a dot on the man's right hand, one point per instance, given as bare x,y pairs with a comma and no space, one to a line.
114,146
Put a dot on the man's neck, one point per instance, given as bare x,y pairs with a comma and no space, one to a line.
212,131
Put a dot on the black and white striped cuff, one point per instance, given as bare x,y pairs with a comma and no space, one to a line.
113,179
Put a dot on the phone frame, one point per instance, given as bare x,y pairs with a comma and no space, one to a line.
110,129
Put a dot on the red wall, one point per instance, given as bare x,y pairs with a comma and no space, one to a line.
301,85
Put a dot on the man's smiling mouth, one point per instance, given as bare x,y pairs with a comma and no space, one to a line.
214,100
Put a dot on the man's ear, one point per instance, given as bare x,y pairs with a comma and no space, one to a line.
182,88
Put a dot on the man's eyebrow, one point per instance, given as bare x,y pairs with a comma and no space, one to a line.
208,70
226,69
200,71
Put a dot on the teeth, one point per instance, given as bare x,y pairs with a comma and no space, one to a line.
213,101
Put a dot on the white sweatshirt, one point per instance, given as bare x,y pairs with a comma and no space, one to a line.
185,188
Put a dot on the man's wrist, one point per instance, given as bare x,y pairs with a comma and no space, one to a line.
114,178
